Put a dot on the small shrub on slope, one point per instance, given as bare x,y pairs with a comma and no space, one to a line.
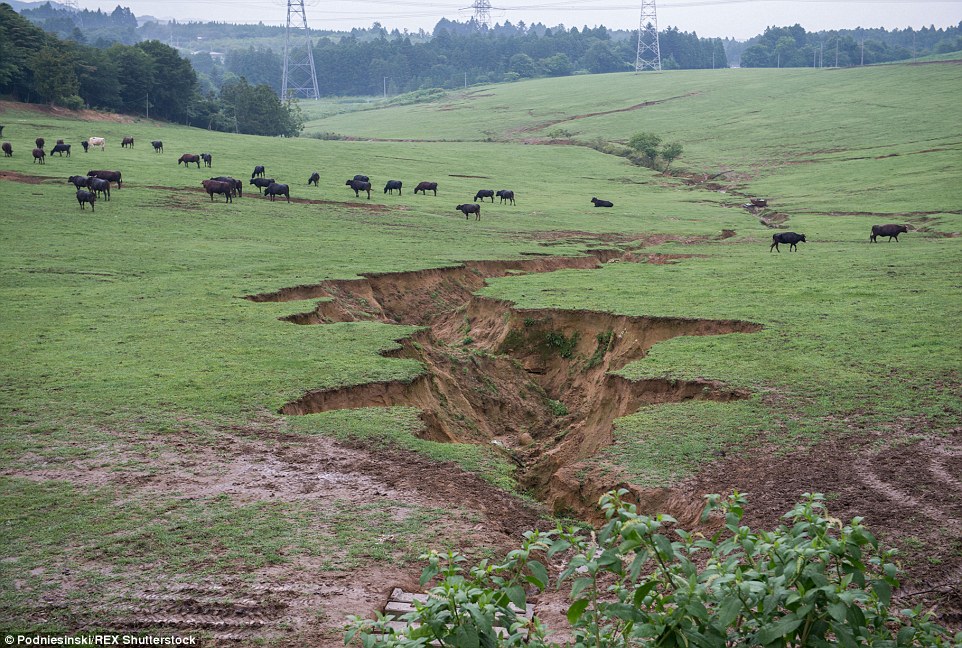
811,582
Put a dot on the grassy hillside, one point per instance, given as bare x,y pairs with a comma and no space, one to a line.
814,138
142,440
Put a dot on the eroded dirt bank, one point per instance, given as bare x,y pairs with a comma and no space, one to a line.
539,383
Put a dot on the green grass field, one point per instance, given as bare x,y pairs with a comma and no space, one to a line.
129,351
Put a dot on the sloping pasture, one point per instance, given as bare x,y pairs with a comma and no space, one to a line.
150,482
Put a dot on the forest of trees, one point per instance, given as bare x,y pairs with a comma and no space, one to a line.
794,47
105,60
149,78
370,61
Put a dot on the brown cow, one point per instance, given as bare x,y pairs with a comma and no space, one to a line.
424,187
127,141
109,176
187,158
39,155
217,186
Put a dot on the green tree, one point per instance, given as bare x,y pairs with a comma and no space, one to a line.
647,144
53,75
135,76
522,65
669,153
257,110
174,81
557,65
600,58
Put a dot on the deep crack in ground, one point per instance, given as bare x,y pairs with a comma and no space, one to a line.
537,382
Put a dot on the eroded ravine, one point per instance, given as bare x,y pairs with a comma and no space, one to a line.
538,382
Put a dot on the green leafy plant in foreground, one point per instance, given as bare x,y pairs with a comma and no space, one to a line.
811,582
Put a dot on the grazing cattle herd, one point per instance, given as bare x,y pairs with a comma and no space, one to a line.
97,183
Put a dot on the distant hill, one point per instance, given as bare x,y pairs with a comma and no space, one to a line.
21,6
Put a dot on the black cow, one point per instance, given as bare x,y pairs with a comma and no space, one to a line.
391,186
7,149
40,142
127,141
313,180
158,146
258,172
602,203
791,238
100,186
261,183
61,148
485,193
358,186
506,195
361,178
206,157
470,208
79,182
39,155
110,176
85,144
891,231
425,187
1,130
278,190
84,196
220,187
237,185
187,158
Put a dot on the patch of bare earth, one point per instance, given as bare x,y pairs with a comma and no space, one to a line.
537,382
300,602
907,484
59,111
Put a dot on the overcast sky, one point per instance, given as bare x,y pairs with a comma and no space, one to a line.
736,18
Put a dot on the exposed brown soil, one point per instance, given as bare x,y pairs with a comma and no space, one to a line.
910,495
14,176
539,383
58,111
296,603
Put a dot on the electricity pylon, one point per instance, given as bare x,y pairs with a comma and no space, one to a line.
648,56
299,79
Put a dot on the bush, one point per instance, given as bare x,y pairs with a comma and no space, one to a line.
73,102
811,582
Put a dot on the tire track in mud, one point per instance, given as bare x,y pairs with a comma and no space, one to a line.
538,382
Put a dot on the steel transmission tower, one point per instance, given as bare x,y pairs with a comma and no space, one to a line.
648,56
482,13
299,79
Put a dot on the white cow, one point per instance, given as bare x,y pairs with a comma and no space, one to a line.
97,141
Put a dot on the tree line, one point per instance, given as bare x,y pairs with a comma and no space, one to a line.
460,54
795,47
149,78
